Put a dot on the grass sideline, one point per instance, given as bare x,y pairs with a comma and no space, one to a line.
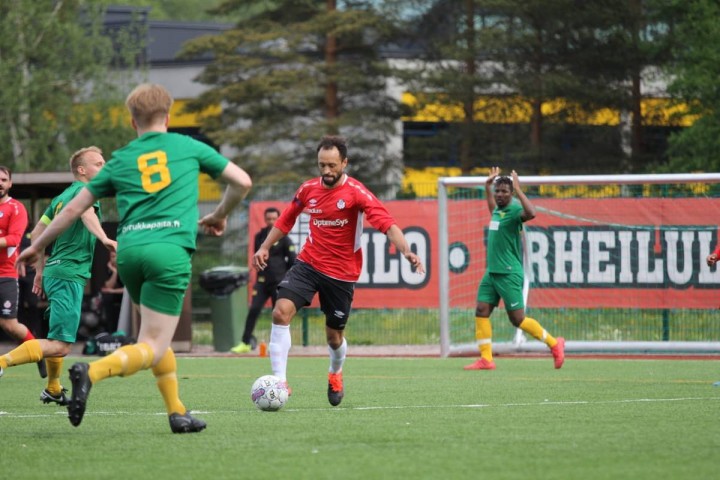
420,418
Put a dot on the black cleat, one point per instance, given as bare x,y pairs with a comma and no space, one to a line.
60,399
185,423
42,369
81,386
336,392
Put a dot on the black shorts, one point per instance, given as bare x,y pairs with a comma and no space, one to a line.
8,297
301,284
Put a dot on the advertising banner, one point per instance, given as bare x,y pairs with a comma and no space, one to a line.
580,253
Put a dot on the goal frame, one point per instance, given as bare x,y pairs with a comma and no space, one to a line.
519,346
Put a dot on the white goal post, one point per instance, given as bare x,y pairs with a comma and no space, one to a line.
615,263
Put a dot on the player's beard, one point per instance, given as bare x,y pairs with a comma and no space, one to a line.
334,179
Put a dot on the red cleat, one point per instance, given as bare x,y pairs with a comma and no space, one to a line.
558,352
481,364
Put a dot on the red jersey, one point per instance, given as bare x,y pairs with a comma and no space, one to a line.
336,225
13,222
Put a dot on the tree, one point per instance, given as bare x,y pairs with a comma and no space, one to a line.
497,62
59,90
447,36
291,71
696,71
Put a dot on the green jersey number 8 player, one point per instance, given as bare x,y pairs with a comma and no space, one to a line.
155,181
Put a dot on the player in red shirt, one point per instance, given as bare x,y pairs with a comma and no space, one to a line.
13,222
329,263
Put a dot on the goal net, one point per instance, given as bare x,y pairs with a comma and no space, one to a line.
612,263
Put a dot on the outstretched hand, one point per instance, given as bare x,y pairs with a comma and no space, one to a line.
111,245
494,172
516,181
260,259
29,256
211,225
712,259
415,262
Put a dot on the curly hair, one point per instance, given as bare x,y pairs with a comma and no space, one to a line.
504,179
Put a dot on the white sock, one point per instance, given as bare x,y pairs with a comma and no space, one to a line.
279,347
337,357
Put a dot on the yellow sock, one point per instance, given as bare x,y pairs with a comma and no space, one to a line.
124,361
166,376
27,352
483,335
54,368
531,326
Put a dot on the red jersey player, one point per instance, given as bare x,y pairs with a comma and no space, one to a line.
330,261
13,222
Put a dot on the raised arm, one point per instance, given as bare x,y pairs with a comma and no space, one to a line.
528,208
494,172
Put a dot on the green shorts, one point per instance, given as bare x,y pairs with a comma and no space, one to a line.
156,275
64,308
508,286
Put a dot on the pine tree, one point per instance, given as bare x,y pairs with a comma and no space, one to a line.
291,71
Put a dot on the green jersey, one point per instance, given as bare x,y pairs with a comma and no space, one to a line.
155,181
504,248
72,251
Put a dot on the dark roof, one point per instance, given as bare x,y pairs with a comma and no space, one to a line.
164,38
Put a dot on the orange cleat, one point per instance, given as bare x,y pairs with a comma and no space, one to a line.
336,392
287,387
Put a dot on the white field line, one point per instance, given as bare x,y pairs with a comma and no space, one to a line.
4,414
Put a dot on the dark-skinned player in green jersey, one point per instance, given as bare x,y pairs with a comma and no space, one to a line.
504,275
155,181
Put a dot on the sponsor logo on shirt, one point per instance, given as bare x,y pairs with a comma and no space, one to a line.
314,210
338,222
151,226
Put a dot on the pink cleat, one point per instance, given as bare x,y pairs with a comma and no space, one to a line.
481,364
558,352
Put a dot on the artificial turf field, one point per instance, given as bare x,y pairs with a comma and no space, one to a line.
402,418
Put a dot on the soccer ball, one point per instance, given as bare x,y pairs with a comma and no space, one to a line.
268,393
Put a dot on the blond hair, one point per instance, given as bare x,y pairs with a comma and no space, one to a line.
149,103
77,159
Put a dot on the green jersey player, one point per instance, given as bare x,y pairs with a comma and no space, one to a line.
155,181
62,278
504,275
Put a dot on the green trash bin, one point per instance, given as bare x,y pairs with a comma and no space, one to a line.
227,287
